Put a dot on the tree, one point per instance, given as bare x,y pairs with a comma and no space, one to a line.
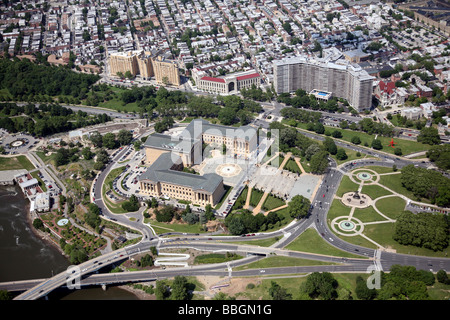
38,224
362,291
97,139
429,135
92,217
319,128
179,288
87,153
278,293
162,290
356,140
311,151
235,225
442,277
124,137
299,206
191,218
330,145
336,134
319,162
376,144
131,205
227,116
423,229
109,140
320,286
209,214
341,154
440,155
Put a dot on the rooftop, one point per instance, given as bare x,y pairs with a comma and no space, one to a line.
160,171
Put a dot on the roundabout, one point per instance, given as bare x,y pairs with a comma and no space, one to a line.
366,176
347,226
356,199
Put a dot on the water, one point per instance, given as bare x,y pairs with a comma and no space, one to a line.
24,255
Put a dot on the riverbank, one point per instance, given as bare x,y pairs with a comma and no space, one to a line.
42,234
140,294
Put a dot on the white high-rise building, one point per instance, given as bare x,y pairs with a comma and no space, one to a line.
340,78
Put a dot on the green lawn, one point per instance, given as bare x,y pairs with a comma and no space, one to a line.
272,202
337,209
310,241
255,197
260,290
292,166
374,191
367,215
379,169
14,163
346,185
407,146
162,227
393,182
392,207
280,261
107,185
215,258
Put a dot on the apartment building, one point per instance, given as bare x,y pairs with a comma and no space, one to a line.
123,62
340,78
146,65
166,71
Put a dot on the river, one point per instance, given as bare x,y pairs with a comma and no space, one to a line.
24,255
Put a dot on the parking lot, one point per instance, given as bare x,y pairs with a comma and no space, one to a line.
16,143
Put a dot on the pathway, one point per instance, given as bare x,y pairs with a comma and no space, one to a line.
261,202
249,194
297,160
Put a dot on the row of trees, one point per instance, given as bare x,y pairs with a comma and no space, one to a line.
401,283
23,77
428,184
440,155
302,99
110,140
45,120
291,140
243,221
424,229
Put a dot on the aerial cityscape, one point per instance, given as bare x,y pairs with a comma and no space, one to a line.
225,150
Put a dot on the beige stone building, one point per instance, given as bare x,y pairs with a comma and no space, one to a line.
165,178
123,62
147,66
167,155
166,71
144,61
